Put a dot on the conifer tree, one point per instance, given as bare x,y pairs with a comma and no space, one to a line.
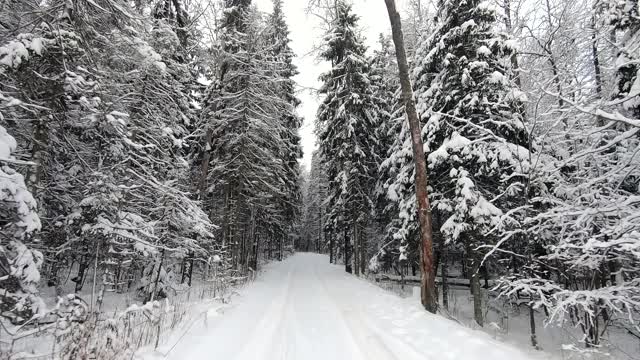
251,120
346,124
281,55
473,132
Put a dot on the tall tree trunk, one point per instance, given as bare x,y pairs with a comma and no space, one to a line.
154,290
257,251
356,249
79,278
444,254
204,167
532,325
191,259
319,229
476,290
183,270
347,257
428,284
332,259
363,254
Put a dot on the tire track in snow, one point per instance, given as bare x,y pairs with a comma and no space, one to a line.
375,343
260,341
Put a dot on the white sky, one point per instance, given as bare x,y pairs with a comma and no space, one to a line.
305,32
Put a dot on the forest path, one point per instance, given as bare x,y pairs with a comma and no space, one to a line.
305,308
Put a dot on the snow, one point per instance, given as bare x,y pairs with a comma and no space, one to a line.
13,53
151,56
455,143
497,77
467,24
202,80
305,308
8,144
13,189
483,51
633,95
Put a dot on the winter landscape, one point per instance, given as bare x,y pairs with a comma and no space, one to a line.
320,179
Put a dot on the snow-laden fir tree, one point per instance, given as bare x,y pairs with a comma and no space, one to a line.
474,136
245,163
281,54
346,124
388,131
313,236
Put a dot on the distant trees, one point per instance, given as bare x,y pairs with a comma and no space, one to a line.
346,124
314,235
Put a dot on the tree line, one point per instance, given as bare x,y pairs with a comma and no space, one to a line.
142,143
528,117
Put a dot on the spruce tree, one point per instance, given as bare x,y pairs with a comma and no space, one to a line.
247,175
474,134
346,124
281,56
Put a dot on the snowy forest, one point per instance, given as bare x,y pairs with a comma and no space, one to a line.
480,163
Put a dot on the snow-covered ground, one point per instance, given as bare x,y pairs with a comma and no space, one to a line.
305,308
506,321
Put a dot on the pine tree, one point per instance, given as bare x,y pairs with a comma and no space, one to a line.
346,124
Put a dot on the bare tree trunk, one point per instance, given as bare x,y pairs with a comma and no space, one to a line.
428,291
319,229
191,259
532,325
356,249
152,293
347,257
444,253
183,270
476,290
79,278
363,254
332,259
204,168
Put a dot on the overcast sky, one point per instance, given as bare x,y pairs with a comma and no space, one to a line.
305,32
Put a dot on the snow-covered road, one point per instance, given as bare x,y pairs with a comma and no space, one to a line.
304,308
